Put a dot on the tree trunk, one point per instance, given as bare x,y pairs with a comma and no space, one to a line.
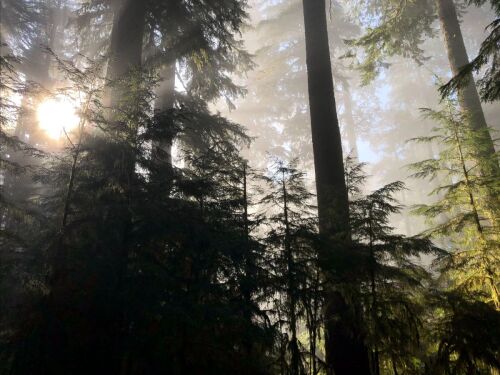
162,149
457,55
125,56
125,51
345,350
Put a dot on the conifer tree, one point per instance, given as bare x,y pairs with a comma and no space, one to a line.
20,219
293,237
135,243
463,302
194,283
345,349
455,325
471,221
393,281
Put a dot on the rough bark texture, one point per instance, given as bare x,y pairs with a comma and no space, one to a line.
345,351
457,56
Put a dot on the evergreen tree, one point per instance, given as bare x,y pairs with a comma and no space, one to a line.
471,221
345,350
20,219
191,249
135,243
394,283
292,242
456,325
205,275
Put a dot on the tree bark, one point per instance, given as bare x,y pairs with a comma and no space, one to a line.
125,56
457,55
345,350
125,51
162,150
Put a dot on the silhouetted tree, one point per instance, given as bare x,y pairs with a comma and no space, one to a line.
345,351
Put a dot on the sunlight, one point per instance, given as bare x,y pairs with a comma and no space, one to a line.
56,115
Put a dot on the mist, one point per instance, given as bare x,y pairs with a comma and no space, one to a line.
249,187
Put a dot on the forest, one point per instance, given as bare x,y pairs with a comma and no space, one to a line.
265,187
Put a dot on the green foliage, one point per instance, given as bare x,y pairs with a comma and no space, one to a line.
20,214
393,28
292,247
464,334
466,209
201,37
463,310
121,236
392,280
112,262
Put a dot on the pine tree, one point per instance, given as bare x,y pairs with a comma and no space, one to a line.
292,238
207,263
462,302
471,221
178,43
394,283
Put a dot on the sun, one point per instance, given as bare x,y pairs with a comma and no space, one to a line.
56,115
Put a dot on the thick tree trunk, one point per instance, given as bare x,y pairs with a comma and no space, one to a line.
125,58
345,351
457,55
105,349
125,52
327,147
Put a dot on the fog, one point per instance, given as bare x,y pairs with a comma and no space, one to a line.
292,187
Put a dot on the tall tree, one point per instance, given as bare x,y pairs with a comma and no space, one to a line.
393,281
465,199
292,238
457,56
400,30
487,56
345,350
